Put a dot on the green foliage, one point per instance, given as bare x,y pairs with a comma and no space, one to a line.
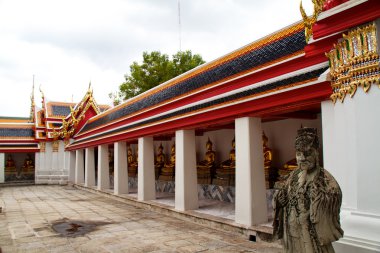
155,69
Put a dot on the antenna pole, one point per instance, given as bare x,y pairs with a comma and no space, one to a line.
179,24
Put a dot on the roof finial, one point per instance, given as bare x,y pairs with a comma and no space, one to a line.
32,103
43,98
89,88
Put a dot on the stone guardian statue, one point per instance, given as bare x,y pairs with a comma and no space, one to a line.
307,204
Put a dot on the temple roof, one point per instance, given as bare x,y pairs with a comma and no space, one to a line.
278,46
16,132
14,120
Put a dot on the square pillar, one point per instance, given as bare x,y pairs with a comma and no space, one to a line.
146,179
79,167
186,186
71,164
66,159
2,167
89,168
103,168
250,200
120,168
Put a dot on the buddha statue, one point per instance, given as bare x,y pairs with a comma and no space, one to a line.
10,168
291,165
267,152
205,168
28,164
168,170
225,173
160,161
132,163
270,173
10,163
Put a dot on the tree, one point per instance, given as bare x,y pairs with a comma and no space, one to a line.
155,69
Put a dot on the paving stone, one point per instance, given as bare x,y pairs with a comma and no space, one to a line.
30,212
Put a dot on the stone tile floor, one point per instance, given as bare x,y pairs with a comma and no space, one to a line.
29,212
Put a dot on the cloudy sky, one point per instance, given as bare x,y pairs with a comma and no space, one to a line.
67,44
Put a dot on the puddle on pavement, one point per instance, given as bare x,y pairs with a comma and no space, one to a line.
74,228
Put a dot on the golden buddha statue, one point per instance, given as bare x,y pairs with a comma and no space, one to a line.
205,168
225,174
28,164
168,170
268,156
10,167
10,163
291,165
132,163
160,161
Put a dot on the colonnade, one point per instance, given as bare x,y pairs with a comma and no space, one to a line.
250,191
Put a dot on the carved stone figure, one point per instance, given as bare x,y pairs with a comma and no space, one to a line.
307,204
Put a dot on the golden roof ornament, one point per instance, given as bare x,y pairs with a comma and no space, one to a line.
310,20
354,62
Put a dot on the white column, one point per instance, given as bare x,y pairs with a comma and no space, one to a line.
89,168
41,162
250,200
48,156
72,162
66,157
103,168
2,167
54,156
36,164
146,180
351,144
186,187
61,155
79,167
120,168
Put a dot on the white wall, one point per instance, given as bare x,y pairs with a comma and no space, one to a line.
282,134
352,143
2,163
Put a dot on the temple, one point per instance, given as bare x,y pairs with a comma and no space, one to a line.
225,130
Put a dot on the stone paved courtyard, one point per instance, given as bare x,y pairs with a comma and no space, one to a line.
30,211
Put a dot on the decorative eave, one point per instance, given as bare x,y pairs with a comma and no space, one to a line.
355,62
77,117
290,90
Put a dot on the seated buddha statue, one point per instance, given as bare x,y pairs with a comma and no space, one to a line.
267,153
132,163
291,165
168,170
10,167
268,156
225,173
206,167
10,163
160,161
28,164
